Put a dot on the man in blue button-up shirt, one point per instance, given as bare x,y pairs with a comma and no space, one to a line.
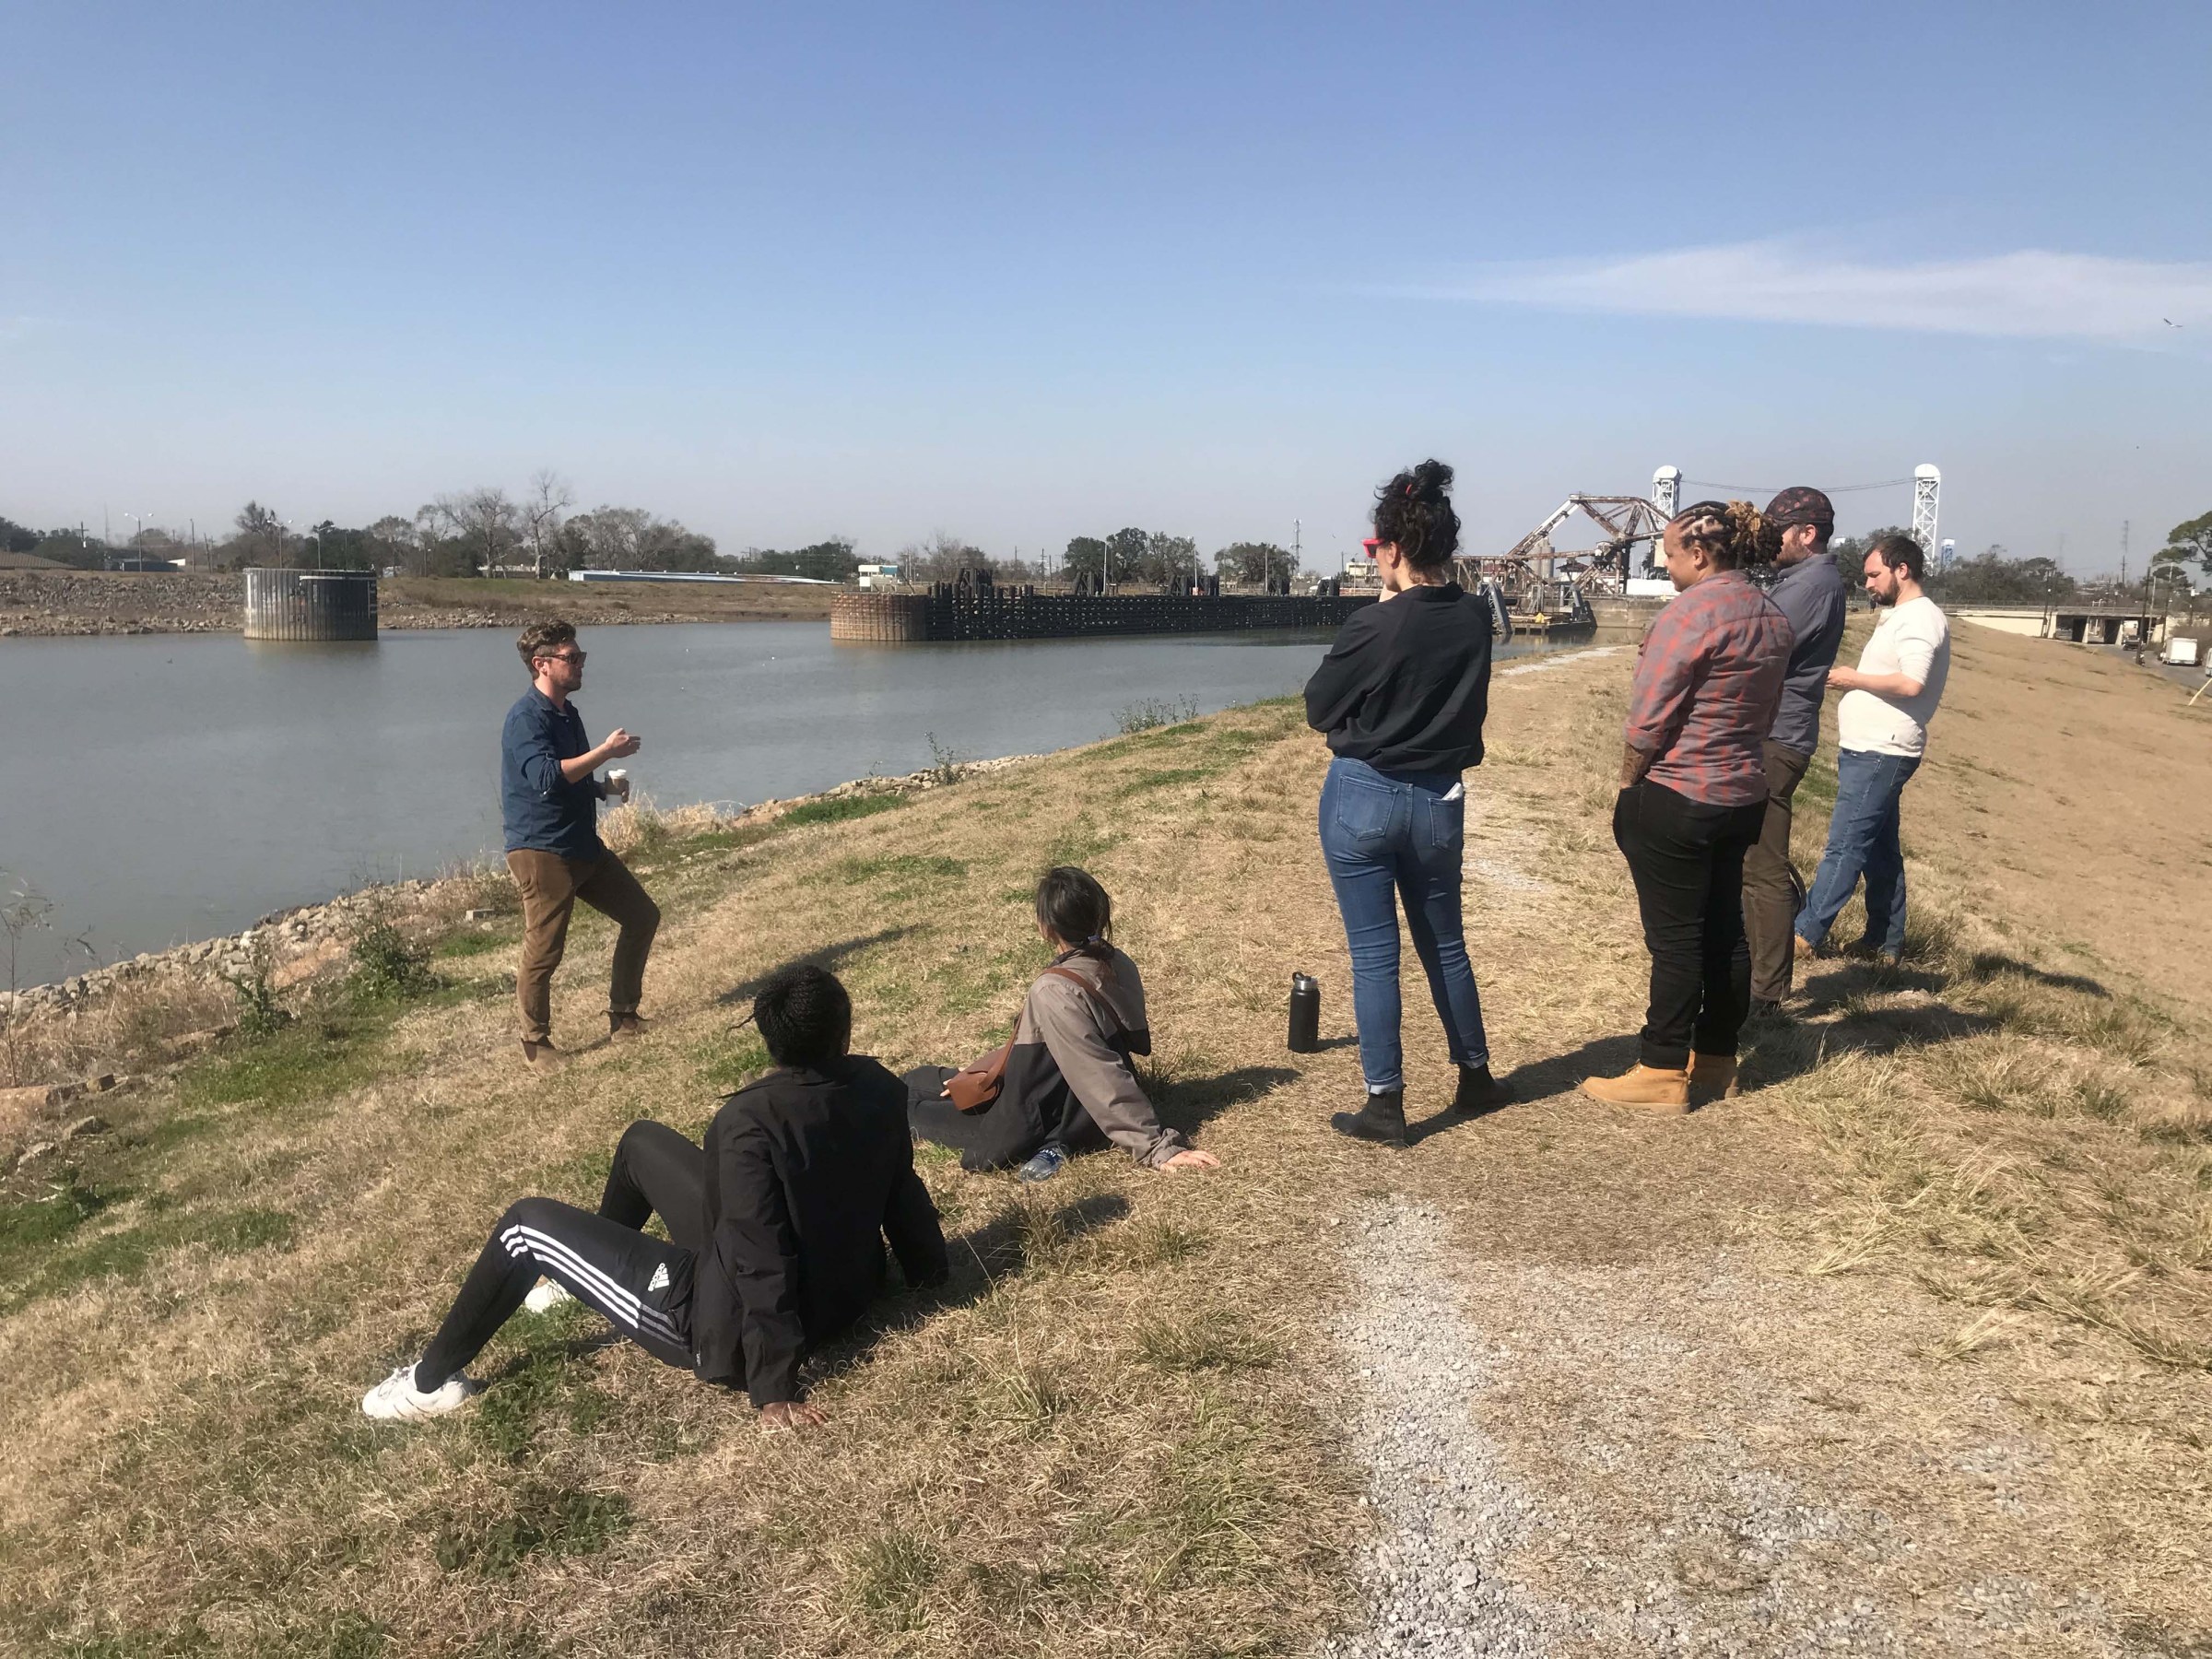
1810,593
549,803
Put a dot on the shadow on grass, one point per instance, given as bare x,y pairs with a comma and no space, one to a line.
1989,964
1774,1052
1026,1233
1187,1105
1543,1079
830,955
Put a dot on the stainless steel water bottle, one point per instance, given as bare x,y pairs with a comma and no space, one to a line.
1305,1014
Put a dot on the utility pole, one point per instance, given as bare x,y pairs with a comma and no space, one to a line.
1297,547
2124,552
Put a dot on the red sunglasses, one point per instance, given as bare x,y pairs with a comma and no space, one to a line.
1371,543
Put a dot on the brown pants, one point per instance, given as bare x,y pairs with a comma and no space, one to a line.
1774,892
550,885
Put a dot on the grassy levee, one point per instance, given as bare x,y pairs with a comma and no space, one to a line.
1976,1189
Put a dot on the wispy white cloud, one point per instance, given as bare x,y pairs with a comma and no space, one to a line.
2032,293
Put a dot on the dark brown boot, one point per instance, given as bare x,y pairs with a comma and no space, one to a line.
1712,1077
542,1057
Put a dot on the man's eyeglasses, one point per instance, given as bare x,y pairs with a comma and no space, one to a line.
562,657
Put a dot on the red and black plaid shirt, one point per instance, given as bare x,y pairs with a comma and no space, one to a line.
1707,683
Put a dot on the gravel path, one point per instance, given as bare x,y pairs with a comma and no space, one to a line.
1576,1461
1546,664
1448,1513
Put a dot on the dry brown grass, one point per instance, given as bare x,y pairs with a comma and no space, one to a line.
133,1029
1112,1434
1093,1443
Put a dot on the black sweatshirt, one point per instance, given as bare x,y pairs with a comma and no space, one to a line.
1407,682
807,1173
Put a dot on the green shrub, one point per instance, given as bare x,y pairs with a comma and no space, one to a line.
1150,713
387,963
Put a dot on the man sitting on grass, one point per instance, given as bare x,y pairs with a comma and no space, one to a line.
775,1227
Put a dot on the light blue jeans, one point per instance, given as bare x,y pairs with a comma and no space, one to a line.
1389,836
1863,840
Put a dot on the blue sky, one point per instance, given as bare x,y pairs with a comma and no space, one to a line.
1022,272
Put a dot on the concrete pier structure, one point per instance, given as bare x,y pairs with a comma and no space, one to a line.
311,605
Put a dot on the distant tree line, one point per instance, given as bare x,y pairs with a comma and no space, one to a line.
1153,557
1990,577
477,531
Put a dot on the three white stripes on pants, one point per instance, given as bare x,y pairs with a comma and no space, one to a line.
617,1301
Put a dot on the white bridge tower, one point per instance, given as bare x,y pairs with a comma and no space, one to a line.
1927,483
1666,491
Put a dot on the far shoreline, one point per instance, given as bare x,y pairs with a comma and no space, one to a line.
64,604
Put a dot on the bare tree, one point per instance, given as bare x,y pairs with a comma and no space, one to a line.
485,520
393,543
550,497
941,557
260,529
629,538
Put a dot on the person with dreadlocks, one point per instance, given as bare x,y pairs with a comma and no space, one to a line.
1692,802
1064,1082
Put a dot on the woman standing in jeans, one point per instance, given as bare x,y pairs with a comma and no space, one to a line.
1692,802
1402,695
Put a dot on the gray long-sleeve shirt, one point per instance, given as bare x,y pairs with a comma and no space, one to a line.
1811,595
1073,1031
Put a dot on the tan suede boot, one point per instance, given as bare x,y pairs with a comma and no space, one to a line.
1645,1088
1712,1077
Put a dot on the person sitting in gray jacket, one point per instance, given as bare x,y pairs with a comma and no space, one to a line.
1068,1085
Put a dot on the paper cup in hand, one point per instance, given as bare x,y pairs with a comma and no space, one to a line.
618,780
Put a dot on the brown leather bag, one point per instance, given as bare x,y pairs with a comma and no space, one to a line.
975,1086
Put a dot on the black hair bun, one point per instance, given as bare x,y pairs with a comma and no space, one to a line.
1413,512
1432,481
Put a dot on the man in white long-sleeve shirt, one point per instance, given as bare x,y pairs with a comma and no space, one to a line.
1881,733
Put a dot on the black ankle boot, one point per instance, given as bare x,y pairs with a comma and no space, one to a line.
1478,1091
1382,1119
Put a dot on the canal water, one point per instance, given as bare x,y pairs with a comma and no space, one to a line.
159,790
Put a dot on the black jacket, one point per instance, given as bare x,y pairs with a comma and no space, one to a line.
1407,683
807,1173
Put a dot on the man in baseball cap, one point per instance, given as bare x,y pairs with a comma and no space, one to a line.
1811,594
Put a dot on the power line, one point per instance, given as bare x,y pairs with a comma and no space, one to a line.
1833,489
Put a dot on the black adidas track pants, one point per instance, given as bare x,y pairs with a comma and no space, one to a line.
641,1285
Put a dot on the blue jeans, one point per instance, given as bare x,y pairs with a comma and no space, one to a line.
1390,835
1861,841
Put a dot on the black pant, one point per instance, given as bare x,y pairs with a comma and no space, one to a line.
657,1172
642,1286
1688,860
1003,1133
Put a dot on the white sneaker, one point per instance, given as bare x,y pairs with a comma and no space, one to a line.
396,1400
545,1296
